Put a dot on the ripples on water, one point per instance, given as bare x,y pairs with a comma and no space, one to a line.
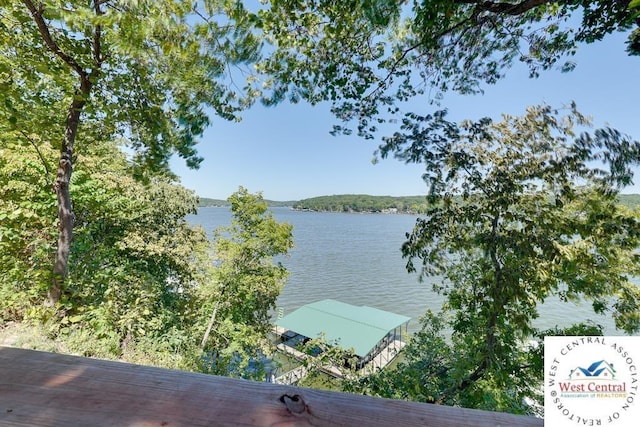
356,258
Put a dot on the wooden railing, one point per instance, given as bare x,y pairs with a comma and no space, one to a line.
46,389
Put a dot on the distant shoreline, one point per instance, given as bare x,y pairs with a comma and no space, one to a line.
363,203
345,203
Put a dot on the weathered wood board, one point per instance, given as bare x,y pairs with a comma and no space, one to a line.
46,389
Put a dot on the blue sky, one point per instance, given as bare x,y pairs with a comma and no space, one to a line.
287,153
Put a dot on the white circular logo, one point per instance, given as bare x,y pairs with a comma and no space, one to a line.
591,381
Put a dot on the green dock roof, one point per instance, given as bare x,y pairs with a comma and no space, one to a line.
349,326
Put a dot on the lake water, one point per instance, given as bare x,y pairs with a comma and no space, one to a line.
356,258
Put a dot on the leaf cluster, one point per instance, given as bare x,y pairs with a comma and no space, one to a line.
145,70
368,57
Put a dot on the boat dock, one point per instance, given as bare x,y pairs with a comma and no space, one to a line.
374,336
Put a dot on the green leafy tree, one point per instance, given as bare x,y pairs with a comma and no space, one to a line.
135,263
368,57
245,286
144,70
538,217
27,224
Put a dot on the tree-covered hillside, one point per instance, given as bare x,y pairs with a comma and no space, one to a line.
631,201
204,202
387,204
363,203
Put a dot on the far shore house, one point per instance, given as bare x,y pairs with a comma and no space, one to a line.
374,335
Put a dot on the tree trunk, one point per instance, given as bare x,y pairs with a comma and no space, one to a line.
65,165
210,326
61,187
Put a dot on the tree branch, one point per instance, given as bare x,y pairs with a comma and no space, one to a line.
477,374
35,146
97,34
504,7
382,84
43,28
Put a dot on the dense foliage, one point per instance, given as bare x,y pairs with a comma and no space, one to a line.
27,230
134,262
246,283
141,70
538,217
141,280
368,57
